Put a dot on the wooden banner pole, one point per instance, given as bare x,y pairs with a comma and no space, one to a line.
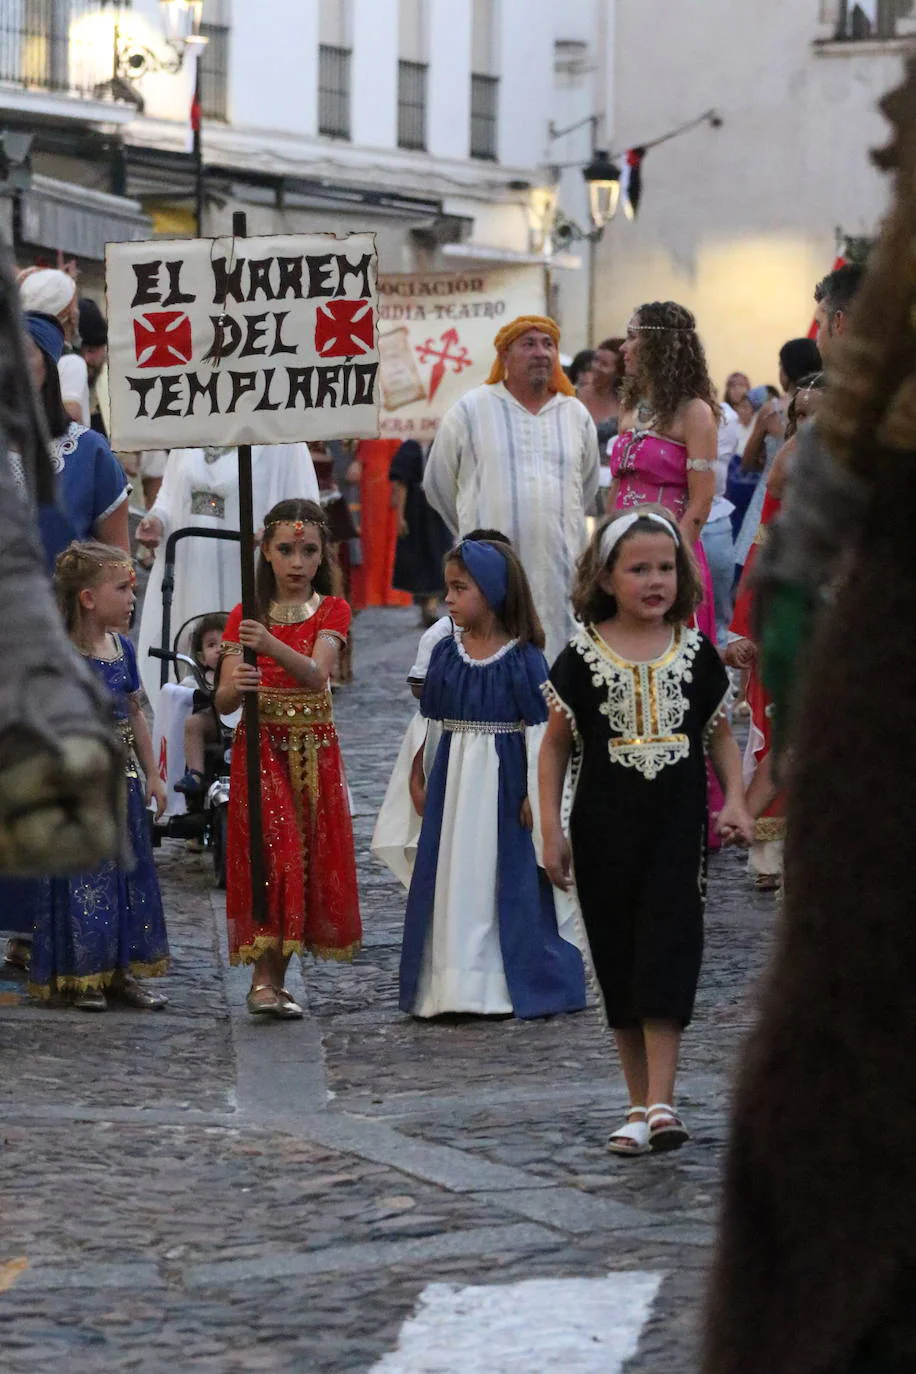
252,715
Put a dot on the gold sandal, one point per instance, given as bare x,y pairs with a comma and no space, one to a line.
267,1007
287,1008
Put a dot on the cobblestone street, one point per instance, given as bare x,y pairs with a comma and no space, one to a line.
199,1191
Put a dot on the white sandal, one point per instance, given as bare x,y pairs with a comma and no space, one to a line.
633,1138
665,1137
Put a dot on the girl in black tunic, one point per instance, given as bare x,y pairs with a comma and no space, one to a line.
637,699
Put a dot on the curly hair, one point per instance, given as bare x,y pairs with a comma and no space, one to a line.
592,604
671,366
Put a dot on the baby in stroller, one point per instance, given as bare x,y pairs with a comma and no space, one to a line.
201,727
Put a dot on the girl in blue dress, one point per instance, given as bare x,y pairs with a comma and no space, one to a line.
96,934
91,503
483,931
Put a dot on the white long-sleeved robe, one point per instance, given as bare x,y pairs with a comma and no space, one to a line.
494,464
205,495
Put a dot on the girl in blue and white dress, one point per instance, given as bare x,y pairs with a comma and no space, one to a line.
484,932
397,828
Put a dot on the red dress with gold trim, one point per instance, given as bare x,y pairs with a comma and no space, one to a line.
312,899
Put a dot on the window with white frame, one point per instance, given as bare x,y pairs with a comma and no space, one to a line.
484,79
334,56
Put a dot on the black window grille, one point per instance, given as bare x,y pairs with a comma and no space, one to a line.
214,71
484,101
859,22
412,105
333,91
41,44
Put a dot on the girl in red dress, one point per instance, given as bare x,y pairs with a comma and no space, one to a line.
312,901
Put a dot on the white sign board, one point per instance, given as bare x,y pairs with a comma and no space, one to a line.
436,339
217,342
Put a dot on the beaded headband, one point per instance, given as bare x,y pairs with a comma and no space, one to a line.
115,564
663,328
118,567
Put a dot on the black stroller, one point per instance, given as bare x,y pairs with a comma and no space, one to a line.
206,815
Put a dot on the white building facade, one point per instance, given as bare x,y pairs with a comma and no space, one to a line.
423,120
740,222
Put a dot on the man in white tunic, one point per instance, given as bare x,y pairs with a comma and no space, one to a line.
520,454
200,490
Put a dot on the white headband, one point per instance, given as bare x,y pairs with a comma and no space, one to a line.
615,531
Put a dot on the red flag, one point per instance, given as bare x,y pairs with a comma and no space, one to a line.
197,114
631,181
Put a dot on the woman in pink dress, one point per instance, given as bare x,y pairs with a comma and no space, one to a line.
668,441
666,449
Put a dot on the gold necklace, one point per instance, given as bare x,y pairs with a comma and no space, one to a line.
294,615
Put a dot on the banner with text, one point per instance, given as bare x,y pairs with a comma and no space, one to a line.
436,339
216,342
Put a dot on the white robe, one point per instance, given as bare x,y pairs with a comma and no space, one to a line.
207,571
397,829
495,464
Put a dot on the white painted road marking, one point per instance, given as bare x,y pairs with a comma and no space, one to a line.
579,1326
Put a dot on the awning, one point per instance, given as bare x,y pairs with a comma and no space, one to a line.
78,220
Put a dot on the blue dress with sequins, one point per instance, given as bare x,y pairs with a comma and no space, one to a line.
94,925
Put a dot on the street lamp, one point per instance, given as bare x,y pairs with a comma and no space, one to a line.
602,176
182,20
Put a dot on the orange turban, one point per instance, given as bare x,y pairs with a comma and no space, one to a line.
514,330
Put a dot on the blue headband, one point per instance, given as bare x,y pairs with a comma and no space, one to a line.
489,570
47,333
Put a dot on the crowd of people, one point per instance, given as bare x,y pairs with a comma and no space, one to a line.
572,761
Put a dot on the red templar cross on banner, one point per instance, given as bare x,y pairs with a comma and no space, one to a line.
459,360
162,338
344,329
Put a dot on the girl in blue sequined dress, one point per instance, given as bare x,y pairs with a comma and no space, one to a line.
484,932
98,933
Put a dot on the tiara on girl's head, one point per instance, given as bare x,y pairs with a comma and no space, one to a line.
663,328
298,525
116,563
128,568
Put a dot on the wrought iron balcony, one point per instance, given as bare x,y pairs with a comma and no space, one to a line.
57,45
69,47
